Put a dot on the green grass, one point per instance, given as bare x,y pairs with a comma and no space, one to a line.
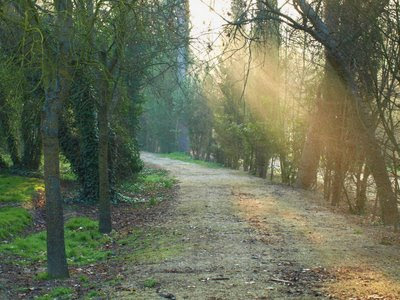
18,189
13,220
149,180
150,283
83,244
152,246
95,295
42,276
59,293
187,158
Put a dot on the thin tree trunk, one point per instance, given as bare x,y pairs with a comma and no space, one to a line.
338,177
362,191
56,256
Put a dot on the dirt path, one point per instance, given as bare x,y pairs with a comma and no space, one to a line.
242,238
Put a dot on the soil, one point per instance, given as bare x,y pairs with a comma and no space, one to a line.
243,238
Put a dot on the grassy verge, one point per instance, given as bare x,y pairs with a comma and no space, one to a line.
83,244
187,158
18,189
13,220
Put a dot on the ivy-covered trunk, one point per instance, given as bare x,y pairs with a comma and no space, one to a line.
88,144
104,183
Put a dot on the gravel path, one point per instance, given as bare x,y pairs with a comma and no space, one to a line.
243,238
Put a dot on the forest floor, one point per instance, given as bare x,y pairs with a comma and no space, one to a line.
234,236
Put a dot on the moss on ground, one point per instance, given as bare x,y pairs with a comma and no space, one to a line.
83,244
13,220
18,189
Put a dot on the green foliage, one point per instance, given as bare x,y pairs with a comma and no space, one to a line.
83,243
127,162
200,123
18,189
187,158
13,220
66,172
60,293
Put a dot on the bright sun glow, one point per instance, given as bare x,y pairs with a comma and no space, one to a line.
207,20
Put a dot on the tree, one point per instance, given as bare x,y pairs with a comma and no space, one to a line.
364,126
56,91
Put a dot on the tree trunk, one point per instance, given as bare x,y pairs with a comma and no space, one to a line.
365,128
55,94
309,161
56,256
338,177
361,197
104,183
